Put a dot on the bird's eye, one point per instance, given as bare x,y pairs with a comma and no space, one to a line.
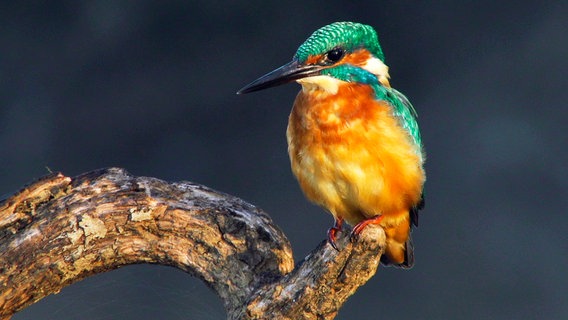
334,55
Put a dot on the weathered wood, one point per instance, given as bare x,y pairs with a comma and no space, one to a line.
59,230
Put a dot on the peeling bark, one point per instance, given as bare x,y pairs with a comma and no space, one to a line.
59,230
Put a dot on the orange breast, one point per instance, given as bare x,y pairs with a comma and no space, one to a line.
352,157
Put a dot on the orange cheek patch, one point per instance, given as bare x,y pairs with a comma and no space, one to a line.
357,58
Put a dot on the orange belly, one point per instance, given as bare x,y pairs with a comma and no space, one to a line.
351,156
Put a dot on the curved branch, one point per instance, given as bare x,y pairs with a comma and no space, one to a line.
59,230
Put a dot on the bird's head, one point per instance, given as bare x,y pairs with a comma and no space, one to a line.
339,52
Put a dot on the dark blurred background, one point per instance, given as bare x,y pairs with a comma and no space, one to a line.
150,86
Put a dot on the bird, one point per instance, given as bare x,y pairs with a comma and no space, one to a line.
353,141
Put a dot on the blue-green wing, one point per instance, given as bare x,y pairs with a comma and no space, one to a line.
402,110
406,113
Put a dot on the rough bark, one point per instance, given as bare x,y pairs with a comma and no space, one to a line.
59,230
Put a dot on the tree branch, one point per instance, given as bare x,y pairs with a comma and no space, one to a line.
59,230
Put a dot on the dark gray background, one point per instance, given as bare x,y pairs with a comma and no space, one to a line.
150,87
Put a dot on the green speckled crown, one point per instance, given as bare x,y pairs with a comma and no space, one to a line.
349,35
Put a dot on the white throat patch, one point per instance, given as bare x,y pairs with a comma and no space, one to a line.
326,83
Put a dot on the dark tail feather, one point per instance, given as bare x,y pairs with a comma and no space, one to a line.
408,256
414,211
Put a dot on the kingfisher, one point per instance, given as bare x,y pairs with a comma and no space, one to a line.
353,140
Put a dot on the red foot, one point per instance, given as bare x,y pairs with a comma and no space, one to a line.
332,232
358,228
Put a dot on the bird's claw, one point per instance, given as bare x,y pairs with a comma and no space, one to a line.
332,233
353,237
332,237
358,228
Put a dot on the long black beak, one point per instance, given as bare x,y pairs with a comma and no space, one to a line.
289,72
